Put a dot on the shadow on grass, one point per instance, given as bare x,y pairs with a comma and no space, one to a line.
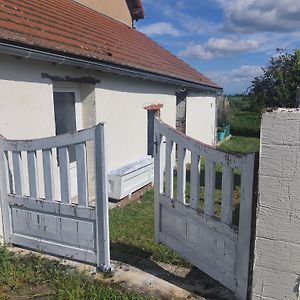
190,279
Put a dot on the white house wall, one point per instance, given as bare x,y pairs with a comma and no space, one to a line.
121,105
27,111
201,118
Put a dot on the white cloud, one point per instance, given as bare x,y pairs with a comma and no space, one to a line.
219,47
261,15
236,80
160,28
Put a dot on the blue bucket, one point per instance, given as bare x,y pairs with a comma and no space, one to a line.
221,135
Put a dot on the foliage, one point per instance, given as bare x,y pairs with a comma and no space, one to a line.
276,87
244,117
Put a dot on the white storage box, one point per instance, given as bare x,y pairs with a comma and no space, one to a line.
126,180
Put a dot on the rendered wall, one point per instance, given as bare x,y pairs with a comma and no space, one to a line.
116,9
121,105
201,119
277,244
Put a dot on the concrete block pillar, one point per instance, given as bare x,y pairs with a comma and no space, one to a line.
277,244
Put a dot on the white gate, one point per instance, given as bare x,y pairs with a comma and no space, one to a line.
213,244
34,218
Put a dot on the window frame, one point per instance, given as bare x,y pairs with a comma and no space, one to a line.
69,88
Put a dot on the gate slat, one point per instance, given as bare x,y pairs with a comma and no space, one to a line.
227,195
195,181
169,168
48,174
18,173
64,170
158,185
8,177
210,182
32,174
181,174
82,176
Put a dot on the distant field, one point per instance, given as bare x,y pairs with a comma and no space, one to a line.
243,119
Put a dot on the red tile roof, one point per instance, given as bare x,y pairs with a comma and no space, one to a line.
68,27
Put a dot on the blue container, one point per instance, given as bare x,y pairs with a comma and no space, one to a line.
221,135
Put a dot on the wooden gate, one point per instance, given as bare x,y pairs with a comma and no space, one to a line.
191,228
34,218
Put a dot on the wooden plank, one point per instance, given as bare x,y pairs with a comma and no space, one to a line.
158,184
5,227
102,221
82,175
7,174
227,195
56,228
64,172
60,250
213,224
169,168
18,172
210,185
32,174
53,207
181,174
48,174
247,176
196,259
195,181
58,141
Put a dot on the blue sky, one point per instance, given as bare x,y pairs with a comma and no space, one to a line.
227,40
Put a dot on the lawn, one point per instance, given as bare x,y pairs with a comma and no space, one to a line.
241,144
33,277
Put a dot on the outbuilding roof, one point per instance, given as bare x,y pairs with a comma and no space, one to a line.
64,26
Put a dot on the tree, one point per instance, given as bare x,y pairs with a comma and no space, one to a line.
277,86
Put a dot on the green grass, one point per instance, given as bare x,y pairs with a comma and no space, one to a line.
240,144
33,277
132,234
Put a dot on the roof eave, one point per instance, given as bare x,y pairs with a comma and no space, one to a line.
63,58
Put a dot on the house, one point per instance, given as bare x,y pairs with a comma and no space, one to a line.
67,65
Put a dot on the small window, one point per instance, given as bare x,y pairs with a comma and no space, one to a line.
67,113
151,116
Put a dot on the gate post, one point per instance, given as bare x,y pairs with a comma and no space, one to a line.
277,243
102,223
2,193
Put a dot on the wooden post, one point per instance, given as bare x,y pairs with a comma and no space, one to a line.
244,238
298,96
158,186
5,228
102,223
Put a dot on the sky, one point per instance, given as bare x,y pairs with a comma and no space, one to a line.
229,41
